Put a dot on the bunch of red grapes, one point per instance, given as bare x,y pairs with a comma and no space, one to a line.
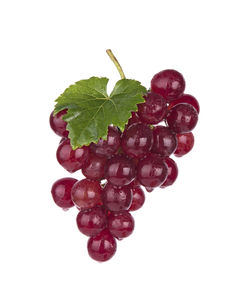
116,168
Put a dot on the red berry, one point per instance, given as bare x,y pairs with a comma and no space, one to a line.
186,98
57,124
93,167
182,118
185,144
61,192
168,83
165,141
70,159
121,224
109,146
152,171
102,246
172,172
87,194
117,198
138,198
119,170
152,111
91,221
137,140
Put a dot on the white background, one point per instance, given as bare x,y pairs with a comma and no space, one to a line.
192,240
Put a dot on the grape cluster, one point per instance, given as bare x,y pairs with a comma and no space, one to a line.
116,168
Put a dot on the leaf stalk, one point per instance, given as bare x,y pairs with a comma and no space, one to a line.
115,61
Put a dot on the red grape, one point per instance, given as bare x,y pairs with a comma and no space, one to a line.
117,198
165,141
152,171
110,146
168,83
172,172
182,118
102,246
93,167
138,198
185,144
137,140
91,221
70,159
86,194
186,98
152,111
119,170
61,192
121,224
57,124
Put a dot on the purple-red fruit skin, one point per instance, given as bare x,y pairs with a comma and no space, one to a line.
70,159
186,98
182,118
57,124
172,172
152,171
185,144
133,119
107,147
119,170
116,198
168,83
61,192
86,194
91,221
102,246
152,111
93,167
121,224
165,141
137,140
138,198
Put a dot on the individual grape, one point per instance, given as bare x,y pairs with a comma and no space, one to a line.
165,141
102,246
61,192
172,172
133,119
91,221
86,194
185,143
137,140
110,146
119,170
152,171
168,83
152,111
121,224
57,124
70,159
182,118
138,198
93,167
117,198
186,98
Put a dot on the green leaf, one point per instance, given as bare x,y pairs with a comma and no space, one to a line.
91,110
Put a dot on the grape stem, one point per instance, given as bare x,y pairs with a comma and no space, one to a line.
115,61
